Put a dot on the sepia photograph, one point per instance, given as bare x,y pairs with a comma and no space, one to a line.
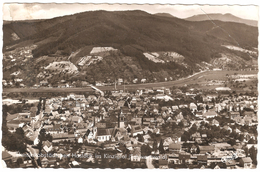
129,86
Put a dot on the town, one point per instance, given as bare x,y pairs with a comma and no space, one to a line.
128,86
175,127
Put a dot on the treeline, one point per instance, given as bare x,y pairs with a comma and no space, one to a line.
16,141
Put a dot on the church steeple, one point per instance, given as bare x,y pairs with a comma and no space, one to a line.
121,120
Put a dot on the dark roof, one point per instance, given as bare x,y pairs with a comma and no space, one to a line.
175,146
234,113
231,163
103,132
184,156
11,116
207,148
202,158
47,143
6,155
87,132
14,122
246,160
163,162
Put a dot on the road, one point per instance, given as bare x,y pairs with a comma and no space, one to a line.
180,82
149,163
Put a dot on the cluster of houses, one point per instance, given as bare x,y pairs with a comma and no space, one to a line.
125,121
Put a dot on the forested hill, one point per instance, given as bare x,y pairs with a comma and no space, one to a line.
222,17
133,33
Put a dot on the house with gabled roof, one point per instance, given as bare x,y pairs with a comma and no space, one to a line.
56,128
76,119
135,130
185,158
163,164
248,120
12,125
228,128
193,107
175,147
104,134
136,154
210,114
231,164
196,137
34,137
193,149
215,122
202,159
207,149
7,158
47,146
233,115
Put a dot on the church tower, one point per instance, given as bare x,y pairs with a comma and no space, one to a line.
121,120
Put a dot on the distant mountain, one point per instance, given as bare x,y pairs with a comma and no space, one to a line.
139,38
164,14
222,17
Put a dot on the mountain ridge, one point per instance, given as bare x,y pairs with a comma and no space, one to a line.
222,17
132,33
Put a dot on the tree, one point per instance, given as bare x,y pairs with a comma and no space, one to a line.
241,137
145,150
49,137
232,142
161,149
155,145
246,151
193,128
140,138
174,126
253,154
251,141
185,136
19,131
14,142
207,107
44,103
181,124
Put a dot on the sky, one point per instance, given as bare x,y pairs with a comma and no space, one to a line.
24,11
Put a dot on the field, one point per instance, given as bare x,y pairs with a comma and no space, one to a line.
221,75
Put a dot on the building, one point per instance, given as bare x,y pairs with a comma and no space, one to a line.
174,147
193,107
163,164
104,134
121,121
135,130
136,154
246,162
210,114
222,89
184,158
47,146
202,159
207,149
12,125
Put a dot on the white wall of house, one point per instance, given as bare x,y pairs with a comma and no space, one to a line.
136,133
103,138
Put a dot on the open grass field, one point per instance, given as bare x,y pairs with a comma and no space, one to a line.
221,75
